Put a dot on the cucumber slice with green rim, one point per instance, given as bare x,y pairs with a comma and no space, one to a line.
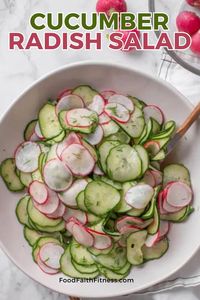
32,236
149,129
37,176
96,200
123,163
52,154
120,136
80,254
167,132
123,207
114,260
134,212
179,216
92,219
86,93
156,251
51,229
40,219
135,126
62,120
104,151
68,269
9,175
97,252
29,130
57,139
150,212
139,103
21,210
91,149
110,128
176,172
116,185
143,154
109,274
48,121
156,127
135,241
80,199
42,241
160,156
84,269
153,228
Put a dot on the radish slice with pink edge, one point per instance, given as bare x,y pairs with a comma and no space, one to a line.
77,214
60,211
26,157
97,170
129,229
44,267
149,178
157,176
107,94
69,225
101,240
72,138
38,131
96,137
69,102
128,221
153,111
80,117
78,159
50,254
57,175
160,204
123,100
151,240
117,112
33,137
179,194
163,229
64,93
152,147
169,208
103,119
68,197
82,235
139,196
97,104
38,191
50,206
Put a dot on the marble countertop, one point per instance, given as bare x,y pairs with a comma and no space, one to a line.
18,69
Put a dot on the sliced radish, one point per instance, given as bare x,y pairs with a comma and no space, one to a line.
149,178
26,157
69,225
117,112
76,214
107,94
103,119
51,205
163,229
139,195
33,137
128,221
50,254
78,159
122,241
152,239
179,194
69,197
169,208
127,229
64,93
97,170
80,117
69,102
82,236
60,211
153,111
44,267
38,131
96,137
38,191
97,104
160,204
72,138
57,175
123,100
152,147
101,240
157,176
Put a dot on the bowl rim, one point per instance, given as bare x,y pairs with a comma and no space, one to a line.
159,81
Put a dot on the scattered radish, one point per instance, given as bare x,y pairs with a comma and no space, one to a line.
72,138
98,171
38,191
127,221
153,111
59,212
64,93
110,6
96,137
69,197
179,194
101,240
77,214
82,235
26,157
44,267
107,94
139,195
149,178
69,102
195,3
152,239
123,100
51,205
97,104
188,21
195,46
50,254
103,119
117,112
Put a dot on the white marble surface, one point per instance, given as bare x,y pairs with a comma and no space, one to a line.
18,69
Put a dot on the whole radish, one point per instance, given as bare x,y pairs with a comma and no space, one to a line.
125,37
195,3
188,22
110,6
195,46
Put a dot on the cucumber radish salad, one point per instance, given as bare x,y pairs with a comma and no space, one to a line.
98,200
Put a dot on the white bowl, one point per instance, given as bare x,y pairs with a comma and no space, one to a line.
184,238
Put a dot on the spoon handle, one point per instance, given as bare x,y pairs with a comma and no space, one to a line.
189,121
74,298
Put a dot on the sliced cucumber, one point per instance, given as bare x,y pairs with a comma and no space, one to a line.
176,172
91,149
135,241
134,212
143,154
179,216
86,93
116,185
120,136
110,128
96,198
21,211
9,175
48,121
139,103
123,207
37,176
149,129
52,229
104,151
25,178
92,219
84,269
29,130
110,274
80,199
150,212
80,254
159,156
153,228
52,154
68,268
32,236
123,163
156,251
97,252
